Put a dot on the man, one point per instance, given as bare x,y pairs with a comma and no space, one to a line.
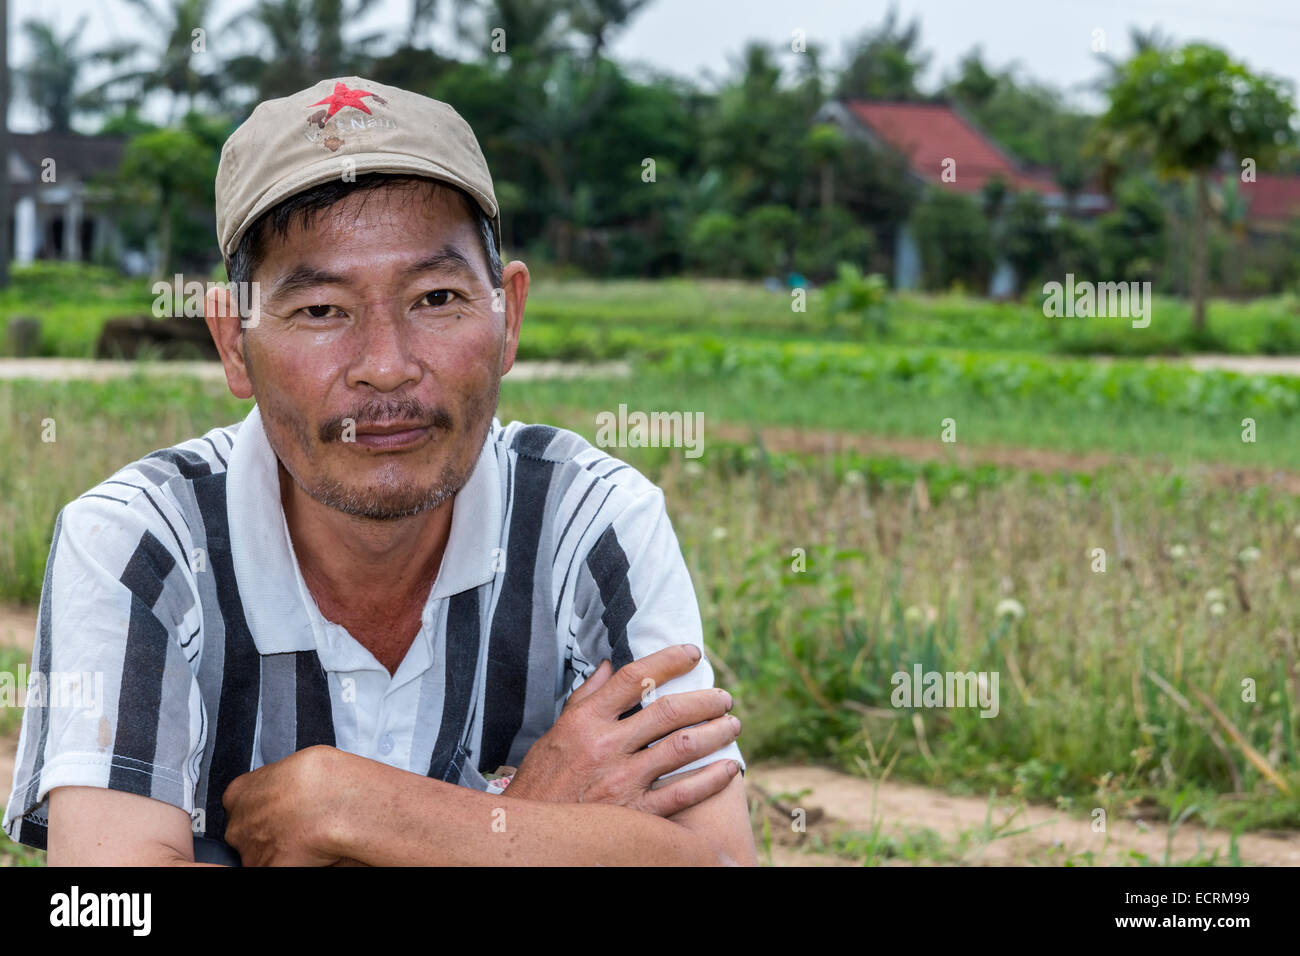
320,629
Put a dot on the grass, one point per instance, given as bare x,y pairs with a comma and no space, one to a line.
1105,677
97,429
890,582
584,319
745,310
11,661
73,302
1196,419
1197,593
14,854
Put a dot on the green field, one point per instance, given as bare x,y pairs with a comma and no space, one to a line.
822,574
579,319
809,653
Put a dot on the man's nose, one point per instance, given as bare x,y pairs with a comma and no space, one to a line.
385,360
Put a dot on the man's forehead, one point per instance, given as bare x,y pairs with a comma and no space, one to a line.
299,272
367,229
437,207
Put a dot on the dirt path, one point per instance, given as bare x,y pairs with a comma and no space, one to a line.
61,369
17,627
839,802
1247,364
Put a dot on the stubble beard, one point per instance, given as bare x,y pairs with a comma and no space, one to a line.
408,498
401,501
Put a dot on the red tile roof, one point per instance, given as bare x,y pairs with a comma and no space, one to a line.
929,133
1272,197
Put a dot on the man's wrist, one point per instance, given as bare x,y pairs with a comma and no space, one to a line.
325,787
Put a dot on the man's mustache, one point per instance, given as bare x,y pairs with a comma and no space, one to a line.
380,413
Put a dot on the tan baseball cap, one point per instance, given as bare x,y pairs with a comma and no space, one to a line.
337,128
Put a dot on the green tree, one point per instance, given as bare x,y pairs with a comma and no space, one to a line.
173,64
423,13
1030,120
825,145
884,62
49,76
756,133
598,20
1188,109
556,102
296,43
975,84
1132,234
530,29
1074,248
955,240
772,232
1023,236
713,242
818,258
166,171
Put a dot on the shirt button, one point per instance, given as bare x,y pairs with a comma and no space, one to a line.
386,744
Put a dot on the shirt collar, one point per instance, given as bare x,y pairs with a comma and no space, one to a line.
266,570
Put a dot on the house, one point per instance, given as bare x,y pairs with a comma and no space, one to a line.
56,208
1271,201
943,149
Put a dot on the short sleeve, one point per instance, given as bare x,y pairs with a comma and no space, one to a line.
112,700
634,596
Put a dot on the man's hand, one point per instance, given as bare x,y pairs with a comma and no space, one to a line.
278,815
590,756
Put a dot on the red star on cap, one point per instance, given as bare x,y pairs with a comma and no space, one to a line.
341,97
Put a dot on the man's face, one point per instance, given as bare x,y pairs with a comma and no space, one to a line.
378,357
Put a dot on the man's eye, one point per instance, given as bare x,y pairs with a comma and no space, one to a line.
438,297
318,311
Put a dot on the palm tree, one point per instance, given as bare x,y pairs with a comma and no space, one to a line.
1189,109
532,29
599,19
1141,41
559,100
301,42
884,63
423,12
174,63
49,77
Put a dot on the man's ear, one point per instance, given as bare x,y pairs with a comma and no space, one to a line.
514,284
221,312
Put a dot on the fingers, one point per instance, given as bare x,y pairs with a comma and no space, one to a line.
592,684
627,685
673,712
678,749
684,790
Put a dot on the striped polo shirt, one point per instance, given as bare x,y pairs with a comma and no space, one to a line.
177,646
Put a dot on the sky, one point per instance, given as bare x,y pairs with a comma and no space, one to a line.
1049,40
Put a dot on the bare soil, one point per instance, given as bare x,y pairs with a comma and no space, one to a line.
17,627
840,802
1247,364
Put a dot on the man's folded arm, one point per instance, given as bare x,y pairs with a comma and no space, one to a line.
635,597
396,818
113,707
95,826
